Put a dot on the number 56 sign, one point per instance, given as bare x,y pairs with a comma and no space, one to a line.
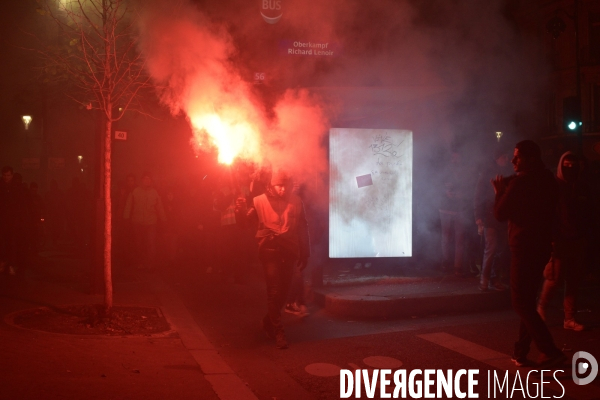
259,77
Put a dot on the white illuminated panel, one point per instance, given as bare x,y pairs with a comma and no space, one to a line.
370,204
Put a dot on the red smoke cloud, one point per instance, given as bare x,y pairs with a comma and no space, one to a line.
188,56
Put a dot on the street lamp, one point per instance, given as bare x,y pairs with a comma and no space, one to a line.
498,135
26,121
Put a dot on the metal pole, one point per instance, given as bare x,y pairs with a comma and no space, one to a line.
578,78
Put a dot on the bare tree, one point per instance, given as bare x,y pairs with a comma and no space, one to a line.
96,50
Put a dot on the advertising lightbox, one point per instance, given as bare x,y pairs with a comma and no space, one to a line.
370,202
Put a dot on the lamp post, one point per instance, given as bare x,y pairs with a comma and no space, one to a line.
27,120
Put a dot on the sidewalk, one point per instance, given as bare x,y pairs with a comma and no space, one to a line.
180,364
381,297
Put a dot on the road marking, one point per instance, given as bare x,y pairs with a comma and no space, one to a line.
353,366
323,369
502,361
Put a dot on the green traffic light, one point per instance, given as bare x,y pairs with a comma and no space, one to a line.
572,125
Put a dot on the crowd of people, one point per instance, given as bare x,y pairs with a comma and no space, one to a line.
532,227
211,225
538,231
250,213
28,220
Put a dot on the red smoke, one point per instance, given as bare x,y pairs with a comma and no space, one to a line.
188,57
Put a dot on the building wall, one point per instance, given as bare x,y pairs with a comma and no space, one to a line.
580,17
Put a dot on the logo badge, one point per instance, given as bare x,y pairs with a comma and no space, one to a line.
271,10
584,364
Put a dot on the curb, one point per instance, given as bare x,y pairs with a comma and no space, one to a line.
9,319
379,307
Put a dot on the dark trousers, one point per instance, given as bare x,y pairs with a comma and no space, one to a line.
495,255
453,227
296,294
526,271
278,267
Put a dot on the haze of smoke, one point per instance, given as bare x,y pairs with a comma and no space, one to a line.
189,58
457,71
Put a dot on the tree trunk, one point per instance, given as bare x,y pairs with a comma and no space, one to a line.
108,288
97,230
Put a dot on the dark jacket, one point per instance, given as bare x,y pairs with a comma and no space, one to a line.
574,206
529,205
484,196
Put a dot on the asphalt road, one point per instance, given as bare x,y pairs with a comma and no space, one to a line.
321,345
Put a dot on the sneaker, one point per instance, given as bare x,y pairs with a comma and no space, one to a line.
303,311
521,361
292,308
573,325
268,327
280,341
554,361
11,270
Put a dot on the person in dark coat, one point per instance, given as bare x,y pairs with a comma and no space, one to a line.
528,202
570,242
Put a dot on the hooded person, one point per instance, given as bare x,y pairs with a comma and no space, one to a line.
145,209
528,202
283,244
570,240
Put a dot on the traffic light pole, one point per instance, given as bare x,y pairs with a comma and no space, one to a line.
578,78
572,107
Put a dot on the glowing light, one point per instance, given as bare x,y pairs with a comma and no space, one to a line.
498,135
231,136
572,125
79,158
26,121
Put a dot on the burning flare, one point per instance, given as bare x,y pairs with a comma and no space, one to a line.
189,58
231,137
